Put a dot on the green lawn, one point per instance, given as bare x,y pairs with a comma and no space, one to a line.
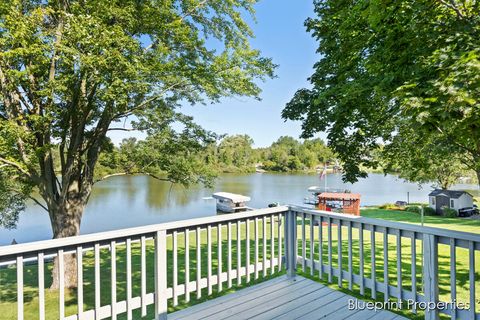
8,276
8,293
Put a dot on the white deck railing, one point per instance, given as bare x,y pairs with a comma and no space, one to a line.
264,243
429,238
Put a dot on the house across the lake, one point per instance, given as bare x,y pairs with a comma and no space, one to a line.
454,199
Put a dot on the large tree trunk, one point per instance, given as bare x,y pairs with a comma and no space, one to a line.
65,220
478,178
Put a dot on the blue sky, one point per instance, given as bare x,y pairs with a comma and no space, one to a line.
280,35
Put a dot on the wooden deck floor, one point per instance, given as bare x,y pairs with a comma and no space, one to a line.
281,298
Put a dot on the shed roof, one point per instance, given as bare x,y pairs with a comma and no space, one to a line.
455,194
230,196
339,196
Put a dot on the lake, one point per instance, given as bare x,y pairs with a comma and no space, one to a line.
123,202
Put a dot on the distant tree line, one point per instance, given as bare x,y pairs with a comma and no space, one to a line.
225,154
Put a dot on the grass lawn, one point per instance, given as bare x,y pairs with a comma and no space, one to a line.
8,276
8,293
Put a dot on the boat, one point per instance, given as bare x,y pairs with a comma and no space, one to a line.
231,202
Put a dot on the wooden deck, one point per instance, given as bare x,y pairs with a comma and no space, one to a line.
281,298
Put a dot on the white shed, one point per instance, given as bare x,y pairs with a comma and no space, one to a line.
455,199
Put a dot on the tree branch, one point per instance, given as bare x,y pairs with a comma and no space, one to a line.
452,6
58,39
122,129
39,203
15,165
133,173
149,100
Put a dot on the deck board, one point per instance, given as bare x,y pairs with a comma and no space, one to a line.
280,298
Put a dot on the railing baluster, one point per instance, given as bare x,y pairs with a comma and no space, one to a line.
187,265
312,251
285,237
339,237
209,259
291,243
247,249
79,282
61,284
350,268
385,264
471,259
372,249
19,287
129,278
430,273
97,280
414,272
113,281
330,266
41,286
175,268
304,244
229,255
453,275
320,247
399,265
143,275
161,275
272,244
295,238
361,262
264,247
256,248
199,262
239,254
219,258
279,234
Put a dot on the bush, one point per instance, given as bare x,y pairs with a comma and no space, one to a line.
428,211
388,206
449,212
414,209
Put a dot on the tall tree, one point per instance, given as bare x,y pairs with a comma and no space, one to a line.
71,71
236,150
385,64
423,159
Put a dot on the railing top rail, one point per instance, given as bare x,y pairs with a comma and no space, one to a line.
52,244
392,224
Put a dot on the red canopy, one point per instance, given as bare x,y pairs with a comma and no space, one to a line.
339,196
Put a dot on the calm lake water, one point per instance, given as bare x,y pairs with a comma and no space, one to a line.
123,202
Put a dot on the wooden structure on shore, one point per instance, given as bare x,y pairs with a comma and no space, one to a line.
343,202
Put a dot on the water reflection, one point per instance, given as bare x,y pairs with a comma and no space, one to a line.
125,201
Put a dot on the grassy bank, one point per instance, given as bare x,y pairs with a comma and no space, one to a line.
8,276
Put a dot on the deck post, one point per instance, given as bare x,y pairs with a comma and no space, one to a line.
291,236
430,274
161,275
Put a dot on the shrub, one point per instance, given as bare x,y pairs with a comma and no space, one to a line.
428,211
388,206
414,209
449,212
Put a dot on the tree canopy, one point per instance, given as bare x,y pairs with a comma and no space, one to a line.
288,154
71,71
390,67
